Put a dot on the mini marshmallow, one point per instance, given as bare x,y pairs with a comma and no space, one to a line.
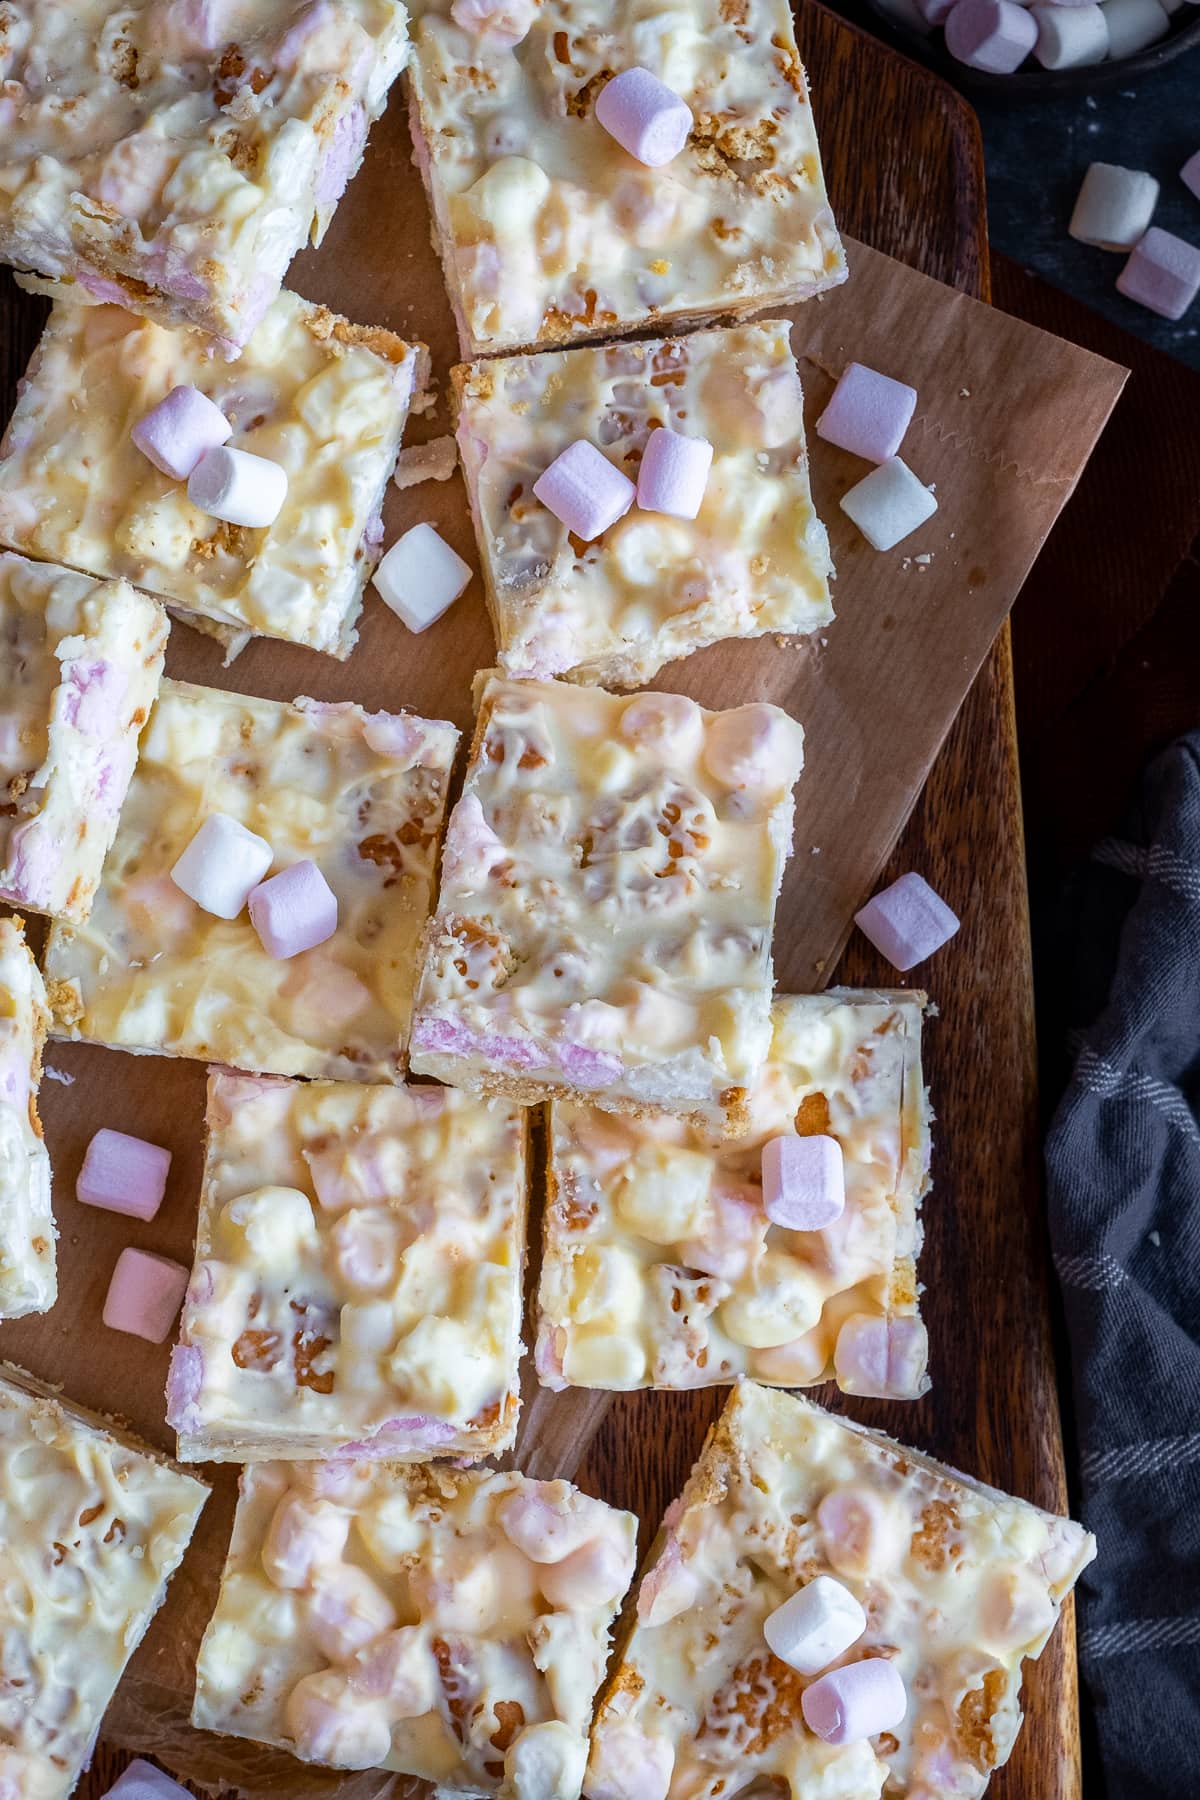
882,1358
421,577
1114,207
1162,274
123,1174
240,488
646,117
175,434
1133,24
1070,37
868,413
294,910
221,865
888,504
907,922
816,1626
145,1295
1190,174
584,490
142,1781
857,1701
596,1574
674,473
996,35
804,1181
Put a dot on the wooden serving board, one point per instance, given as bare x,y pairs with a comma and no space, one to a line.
905,174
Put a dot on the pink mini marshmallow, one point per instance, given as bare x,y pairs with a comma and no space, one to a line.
123,1174
175,434
142,1781
857,1701
881,1358
1190,174
583,490
996,35
907,922
804,1181
674,473
145,1295
646,117
1162,274
294,910
869,413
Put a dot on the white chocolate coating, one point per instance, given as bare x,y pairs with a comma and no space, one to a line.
325,400
80,663
660,1267
447,1659
360,794
157,155
655,588
28,1279
959,1583
550,232
604,921
357,1276
92,1527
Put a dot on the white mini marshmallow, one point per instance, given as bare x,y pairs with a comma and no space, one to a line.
240,488
1190,174
888,504
142,1781
1163,274
175,434
421,577
1114,207
855,1702
584,491
996,35
646,117
1133,25
674,473
1070,37
907,922
221,865
816,1626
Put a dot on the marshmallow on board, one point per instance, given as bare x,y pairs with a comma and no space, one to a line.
673,473
804,1181
888,504
421,577
1163,274
815,1626
647,118
145,1295
142,1781
584,491
294,910
1115,206
907,922
238,487
996,35
123,1174
855,1702
868,413
175,434
221,865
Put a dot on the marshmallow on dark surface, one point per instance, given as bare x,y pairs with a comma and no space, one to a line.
221,865
1163,274
996,35
804,1182
1133,25
293,911
868,413
646,117
1115,206
907,922
1070,37
145,1295
239,488
815,1626
123,1174
421,577
1190,174
142,1781
888,504
175,434
857,1701
584,491
673,473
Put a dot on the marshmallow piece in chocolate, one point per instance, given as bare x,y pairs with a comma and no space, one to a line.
221,865
673,473
815,1626
1190,174
754,746
1162,274
1133,25
804,1181
142,1781
868,413
584,491
330,1722
294,910
238,487
421,577
145,1295
123,1174
646,117
1114,208
175,434
1070,37
888,504
881,1358
996,35
907,922
855,1702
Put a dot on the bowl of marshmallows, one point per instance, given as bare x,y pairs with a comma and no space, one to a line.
1044,46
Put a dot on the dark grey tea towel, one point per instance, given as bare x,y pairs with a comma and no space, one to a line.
1123,1162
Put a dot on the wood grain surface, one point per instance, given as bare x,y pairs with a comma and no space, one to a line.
905,174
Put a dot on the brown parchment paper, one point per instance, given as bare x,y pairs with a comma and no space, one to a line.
1006,419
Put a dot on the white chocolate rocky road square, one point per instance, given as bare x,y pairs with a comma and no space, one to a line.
361,795
661,1267
174,156
325,400
28,1279
449,1624
958,1583
653,587
550,232
92,1527
608,892
80,663
357,1282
